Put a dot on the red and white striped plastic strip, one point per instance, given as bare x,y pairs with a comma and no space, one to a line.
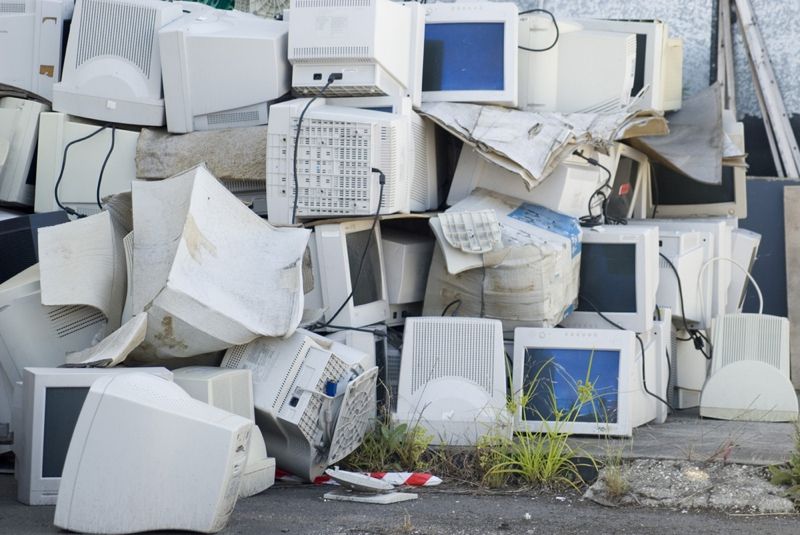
411,479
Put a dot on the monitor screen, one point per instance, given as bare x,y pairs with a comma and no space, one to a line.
62,406
641,56
464,56
367,286
608,277
671,188
581,384
619,202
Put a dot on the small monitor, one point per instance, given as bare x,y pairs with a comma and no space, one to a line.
112,66
576,381
222,69
674,194
19,236
631,183
584,72
471,53
142,440
374,47
453,379
19,126
52,401
35,30
341,250
619,278
658,73
84,161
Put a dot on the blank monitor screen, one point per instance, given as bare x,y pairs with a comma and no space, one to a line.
463,56
581,384
62,406
641,55
367,289
671,188
608,277
621,198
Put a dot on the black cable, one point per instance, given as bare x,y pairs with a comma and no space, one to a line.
695,335
456,302
654,184
555,24
592,220
641,344
67,209
103,167
331,78
382,179
359,329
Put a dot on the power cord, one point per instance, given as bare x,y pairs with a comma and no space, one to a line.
333,76
67,209
456,302
641,345
382,180
555,24
694,335
103,167
593,220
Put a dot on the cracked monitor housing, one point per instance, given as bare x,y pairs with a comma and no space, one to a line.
619,277
556,79
340,155
52,401
19,126
32,35
659,61
222,69
112,68
551,366
471,53
375,46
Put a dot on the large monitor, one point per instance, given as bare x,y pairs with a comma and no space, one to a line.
178,459
19,126
373,47
471,53
584,72
82,163
619,278
32,34
112,68
407,257
578,381
453,379
340,156
222,69
52,401
312,407
659,61
19,237
350,272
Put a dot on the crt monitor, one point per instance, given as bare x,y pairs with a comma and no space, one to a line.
19,126
556,79
618,277
221,69
112,68
52,401
35,30
574,380
372,47
19,238
470,53
673,194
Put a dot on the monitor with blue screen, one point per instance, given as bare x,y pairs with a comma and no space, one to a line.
470,53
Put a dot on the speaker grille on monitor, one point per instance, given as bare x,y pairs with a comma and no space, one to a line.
358,54
229,117
331,3
117,29
12,7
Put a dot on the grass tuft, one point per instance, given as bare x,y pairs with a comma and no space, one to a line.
788,475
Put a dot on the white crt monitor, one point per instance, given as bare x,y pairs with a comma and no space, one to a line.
142,440
32,37
551,364
471,53
585,72
659,61
222,69
84,161
675,195
19,127
112,68
340,248
52,402
374,47
338,158
619,277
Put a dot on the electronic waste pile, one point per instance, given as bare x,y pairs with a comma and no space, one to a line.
366,206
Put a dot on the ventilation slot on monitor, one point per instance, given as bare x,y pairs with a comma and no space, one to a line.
419,179
309,421
289,379
234,356
354,53
444,349
331,3
740,337
68,320
116,29
12,7
232,117
343,91
242,186
388,164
